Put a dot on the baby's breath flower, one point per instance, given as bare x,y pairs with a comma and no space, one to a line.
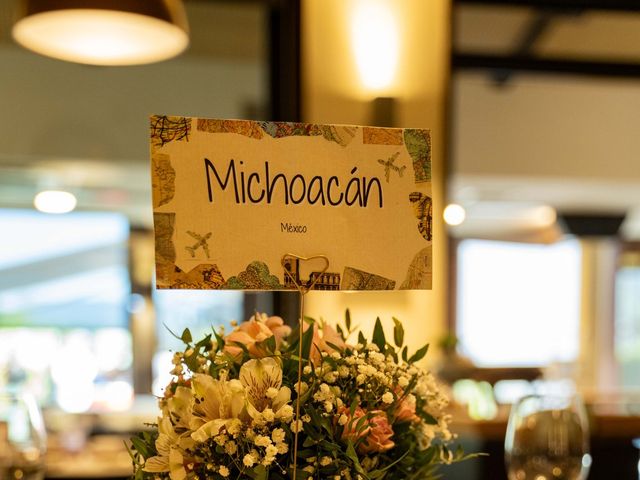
248,460
324,461
224,471
262,441
303,388
270,452
268,415
285,413
296,426
234,426
278,435
387,398
331,377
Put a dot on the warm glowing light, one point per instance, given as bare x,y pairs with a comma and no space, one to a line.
376,42
55,201
100,37
454,214
543,216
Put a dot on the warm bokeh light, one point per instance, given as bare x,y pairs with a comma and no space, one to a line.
543,216
100,37
376,42
454,214
55,201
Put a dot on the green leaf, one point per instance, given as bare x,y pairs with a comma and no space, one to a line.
353,456
186,336
347,319
307,340
270,344
337,348
429,419
378,335
142,448
361,339
241,346
419,355
405,353
219,340
205,343
260,472
353,406
398,332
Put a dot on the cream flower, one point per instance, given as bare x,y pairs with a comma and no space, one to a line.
216,404
169,446
258,377
179,407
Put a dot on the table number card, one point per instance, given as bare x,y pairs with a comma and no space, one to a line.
231,197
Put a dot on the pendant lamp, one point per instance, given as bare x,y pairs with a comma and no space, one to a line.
103,32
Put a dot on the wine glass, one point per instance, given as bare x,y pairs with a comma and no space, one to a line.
547,439
22,438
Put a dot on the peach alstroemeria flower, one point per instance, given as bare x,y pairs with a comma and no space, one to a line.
257,329
276,325
324,336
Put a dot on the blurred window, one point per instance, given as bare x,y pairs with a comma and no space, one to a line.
64,329
200,311
627,319
518,304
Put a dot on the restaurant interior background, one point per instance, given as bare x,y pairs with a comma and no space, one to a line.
533,108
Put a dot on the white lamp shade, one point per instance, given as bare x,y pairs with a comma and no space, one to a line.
104,32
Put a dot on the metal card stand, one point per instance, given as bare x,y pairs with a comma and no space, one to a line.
302,290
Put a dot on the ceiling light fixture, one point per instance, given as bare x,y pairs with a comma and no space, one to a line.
103,32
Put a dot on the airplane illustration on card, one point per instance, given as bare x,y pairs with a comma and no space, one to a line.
201,242
389,166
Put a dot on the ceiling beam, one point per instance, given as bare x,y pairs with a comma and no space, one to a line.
614,5
530,35
565,66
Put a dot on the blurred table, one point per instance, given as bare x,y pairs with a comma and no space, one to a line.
614,455
102,457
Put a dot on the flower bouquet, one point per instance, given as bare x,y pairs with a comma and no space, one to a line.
365,411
